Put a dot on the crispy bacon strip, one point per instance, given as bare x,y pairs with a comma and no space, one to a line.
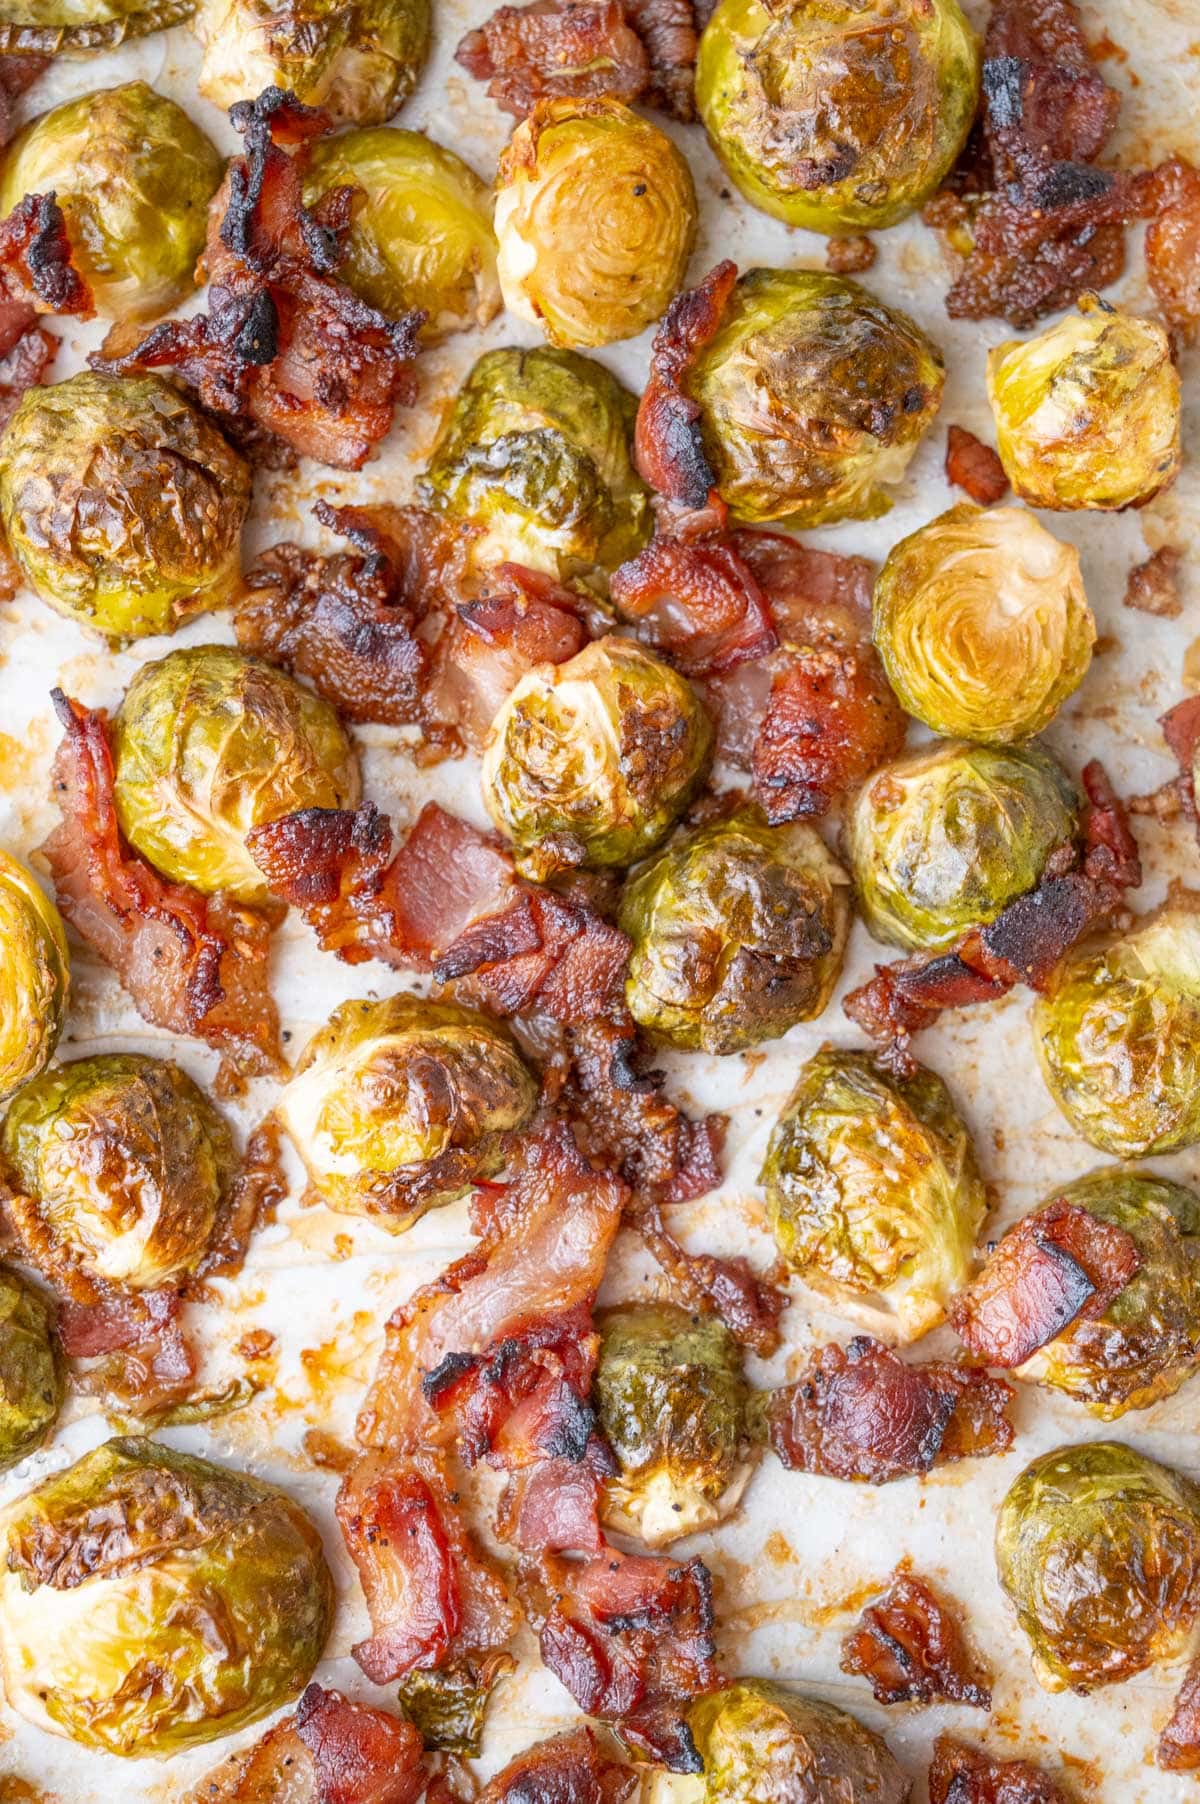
193,964
668,447
578,49
697,602
1023,944
330,1752
624,1120
1179,1744
912,1648
974,467
448,901
963,1775
862,1413
570,1769
1057,1265
283,341
749,1306
37,276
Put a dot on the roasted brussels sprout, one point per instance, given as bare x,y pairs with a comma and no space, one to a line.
1098,1548
671,1400
536,454
1144,1344
34,976
1087,413
32,1372
738,932
1118,1034
421,235
839,117
982,623
356,59
120,1164
44,27
873,1192
209,743
595,218
813,396
133,177
400,1106
201,1604
122,504
592,761
943,839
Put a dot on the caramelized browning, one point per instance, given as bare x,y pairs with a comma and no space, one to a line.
962,1775
749,1306
668,445
911,1647
579,49
570,1769
974,467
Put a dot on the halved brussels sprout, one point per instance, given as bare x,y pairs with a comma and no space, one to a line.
671,1400
35,976
356,59
46,27
982,623
592,761
122,504
840,117
399,1106
151,1601
764,1744
209,743
595,218
813,397
1098,1548
121,1164
133,176
945,838
873,1192
1087,413
1144,1344
1118,1034
537,455
738,932
421,235
32,1370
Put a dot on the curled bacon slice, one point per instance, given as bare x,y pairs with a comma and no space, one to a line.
1179,1744
144,1366
570,1769
974,467
911,1647
37,276
749,1306
668,445
697,602
863,1413
624,1120
1056,1265
963,1775
1023,944
283,341
578,49
193,964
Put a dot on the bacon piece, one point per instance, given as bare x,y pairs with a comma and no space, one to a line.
962,1775
623,1120
1057,1265
145,1366
554,1506
570,1769
193,964
524,618
1153,586
668,446
258,1188
749,1306
283,341
669,31
862,1413
974,467
37,276
17,73
699,603
449,900
1179,1744
575,49
359,1755
911,1647
1173,245
1024,944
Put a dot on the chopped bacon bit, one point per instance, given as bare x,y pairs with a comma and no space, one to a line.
360,1755
1153,586
193,964
863,1413
37,277
850,256
449,900
699,603
749,1306
962,1775
145,1366
911,1647
1173,245
259,1186
283,340
668,446
974,467
623,1119
1057,1265
669,30
579,49
1179,1744
1024,944
570,1769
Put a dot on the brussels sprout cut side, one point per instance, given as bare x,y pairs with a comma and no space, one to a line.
982,623
400,1106
113,1640
813,397
738,932
358,60
209,743
133,177
32,1370
123,506
34,976
873,1192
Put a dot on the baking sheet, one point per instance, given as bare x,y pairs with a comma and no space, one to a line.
793,1568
